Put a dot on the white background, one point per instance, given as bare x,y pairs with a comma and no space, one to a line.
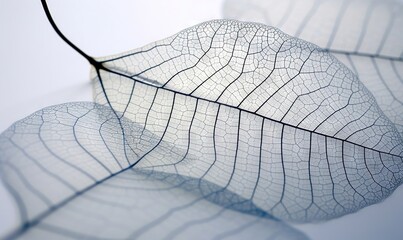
38,69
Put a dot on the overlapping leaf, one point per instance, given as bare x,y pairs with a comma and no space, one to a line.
70,169
364,35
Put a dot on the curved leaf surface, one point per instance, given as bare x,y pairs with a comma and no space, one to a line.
364,35
271,118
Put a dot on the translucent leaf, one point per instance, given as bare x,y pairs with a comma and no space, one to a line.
235,116
70,169
364,35
269,117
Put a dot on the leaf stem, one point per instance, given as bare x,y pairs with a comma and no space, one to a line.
90,59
